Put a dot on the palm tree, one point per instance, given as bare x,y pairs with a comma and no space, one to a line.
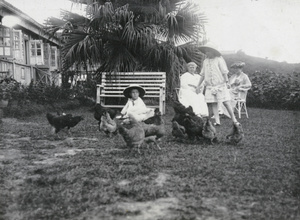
131,35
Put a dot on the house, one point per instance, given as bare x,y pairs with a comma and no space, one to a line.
26,51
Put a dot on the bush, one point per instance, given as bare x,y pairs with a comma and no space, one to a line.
40,98
273,90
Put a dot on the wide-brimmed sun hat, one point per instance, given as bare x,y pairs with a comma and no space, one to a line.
210,46
191,64
128,89
238,64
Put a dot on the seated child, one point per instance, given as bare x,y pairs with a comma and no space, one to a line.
135,104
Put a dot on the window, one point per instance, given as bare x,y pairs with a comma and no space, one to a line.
18,45
17,41
5,41
36,52
22,73
36,49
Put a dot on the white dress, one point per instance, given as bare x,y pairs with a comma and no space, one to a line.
189,97
214,72
138,109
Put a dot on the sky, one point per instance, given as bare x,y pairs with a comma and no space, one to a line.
264,28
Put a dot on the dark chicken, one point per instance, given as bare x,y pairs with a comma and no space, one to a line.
178,131
63,121
186,117
156,119
236,134
193,128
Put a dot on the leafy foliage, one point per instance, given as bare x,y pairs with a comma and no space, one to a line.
132,35
274,90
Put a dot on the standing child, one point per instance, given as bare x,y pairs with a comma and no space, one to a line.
135,105
214,74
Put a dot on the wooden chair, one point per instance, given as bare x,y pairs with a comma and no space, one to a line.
113,85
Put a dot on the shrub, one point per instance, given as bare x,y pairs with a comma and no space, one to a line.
39,98
273,90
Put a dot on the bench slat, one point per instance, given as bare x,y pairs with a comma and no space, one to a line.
121,93
123,87
146,96
131,81
135,73
121,106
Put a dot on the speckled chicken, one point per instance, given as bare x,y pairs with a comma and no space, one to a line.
178,131
133,136
108,125
209,131
237,133
157,130
100,110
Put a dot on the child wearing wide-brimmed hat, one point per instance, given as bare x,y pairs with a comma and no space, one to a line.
135,105
214,73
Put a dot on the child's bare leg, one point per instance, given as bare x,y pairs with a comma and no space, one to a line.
210,110
215,110
228,106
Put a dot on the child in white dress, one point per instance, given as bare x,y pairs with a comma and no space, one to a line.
214,74
135,105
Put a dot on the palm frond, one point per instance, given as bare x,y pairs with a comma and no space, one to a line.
81,47
118,57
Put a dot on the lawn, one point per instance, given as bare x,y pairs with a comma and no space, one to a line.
87,175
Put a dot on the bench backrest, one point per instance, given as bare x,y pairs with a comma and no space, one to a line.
153,82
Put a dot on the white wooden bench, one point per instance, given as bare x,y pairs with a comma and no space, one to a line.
113,85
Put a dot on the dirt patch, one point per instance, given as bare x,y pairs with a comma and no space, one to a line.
158,209
150,210
161,179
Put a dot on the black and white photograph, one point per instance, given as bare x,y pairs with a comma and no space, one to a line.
149,109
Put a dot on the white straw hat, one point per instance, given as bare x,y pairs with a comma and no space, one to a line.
191,64
210,46
128,89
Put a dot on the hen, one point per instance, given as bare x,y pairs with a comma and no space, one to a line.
192,127
236,134
100,110
107,124
181,113
178,131
156,130
62,121
154,119
133,136
209,131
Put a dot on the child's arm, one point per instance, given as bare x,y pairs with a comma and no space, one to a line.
124,110
198,89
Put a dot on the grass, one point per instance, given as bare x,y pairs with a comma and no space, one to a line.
258,179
